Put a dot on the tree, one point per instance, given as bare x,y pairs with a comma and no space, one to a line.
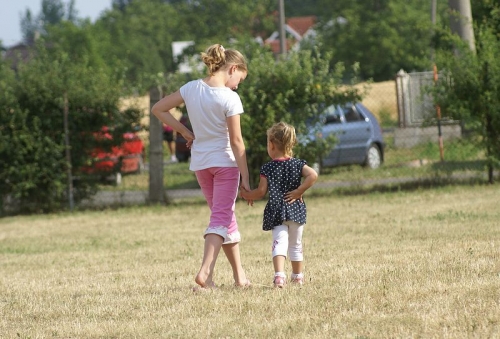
382,36
52,13
32,140
139,38
469,90
29,27
120,4
222,20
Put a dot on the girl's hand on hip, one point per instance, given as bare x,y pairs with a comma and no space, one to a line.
292,196
189,136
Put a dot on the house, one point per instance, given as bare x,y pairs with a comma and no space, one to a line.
298,29
18,54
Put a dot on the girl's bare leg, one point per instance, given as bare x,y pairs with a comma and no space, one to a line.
279,263
297,267
213,243
232,252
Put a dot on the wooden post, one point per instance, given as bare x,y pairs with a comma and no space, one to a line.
156,189
68,151
438,112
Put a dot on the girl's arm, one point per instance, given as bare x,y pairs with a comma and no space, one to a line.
162,111
257,193
238,147
310,177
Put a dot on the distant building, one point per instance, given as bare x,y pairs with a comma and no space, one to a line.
17,54
297,29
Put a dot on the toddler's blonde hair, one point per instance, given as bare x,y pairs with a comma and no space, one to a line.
282,135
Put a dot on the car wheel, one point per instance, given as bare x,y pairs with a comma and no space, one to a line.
373,157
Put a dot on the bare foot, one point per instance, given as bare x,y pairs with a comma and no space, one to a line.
207,288
247,283
203,280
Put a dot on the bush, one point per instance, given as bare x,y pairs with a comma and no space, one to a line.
35,170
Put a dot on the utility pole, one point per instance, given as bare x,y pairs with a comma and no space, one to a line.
461,21
433,11
281,5
433,20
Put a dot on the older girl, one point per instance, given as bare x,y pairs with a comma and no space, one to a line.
217,152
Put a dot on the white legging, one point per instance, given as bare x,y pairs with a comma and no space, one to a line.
287,238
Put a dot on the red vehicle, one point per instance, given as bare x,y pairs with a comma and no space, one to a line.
124,159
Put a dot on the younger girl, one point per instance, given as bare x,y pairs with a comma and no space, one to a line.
285,212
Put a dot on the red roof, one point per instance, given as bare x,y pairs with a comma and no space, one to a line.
301,24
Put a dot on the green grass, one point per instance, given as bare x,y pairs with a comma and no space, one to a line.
175,176
406,264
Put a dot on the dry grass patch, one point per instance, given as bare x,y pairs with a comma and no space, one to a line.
421,264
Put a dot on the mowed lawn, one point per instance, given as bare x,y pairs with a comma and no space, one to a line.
419,264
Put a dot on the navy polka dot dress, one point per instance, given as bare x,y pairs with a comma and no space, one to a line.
283,175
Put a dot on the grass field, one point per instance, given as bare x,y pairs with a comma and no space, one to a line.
419,264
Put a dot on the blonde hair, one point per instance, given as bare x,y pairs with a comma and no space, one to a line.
282,135
216,57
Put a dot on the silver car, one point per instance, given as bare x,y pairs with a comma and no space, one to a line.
358,133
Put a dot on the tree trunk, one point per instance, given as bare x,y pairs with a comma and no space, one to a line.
461,21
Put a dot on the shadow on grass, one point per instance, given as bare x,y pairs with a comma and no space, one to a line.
460,166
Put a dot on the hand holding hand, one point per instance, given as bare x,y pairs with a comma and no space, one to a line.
244,194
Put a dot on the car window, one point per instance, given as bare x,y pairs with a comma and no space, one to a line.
332,115
351,114
332,119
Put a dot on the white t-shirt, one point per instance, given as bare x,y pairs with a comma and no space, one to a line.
208,107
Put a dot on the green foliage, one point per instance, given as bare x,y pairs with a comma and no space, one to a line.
460,150
386,119
382,36
52,13
31,158
139,36
222,20
469,90
486,12
34,170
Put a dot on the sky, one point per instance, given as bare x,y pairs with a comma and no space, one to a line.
11,12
